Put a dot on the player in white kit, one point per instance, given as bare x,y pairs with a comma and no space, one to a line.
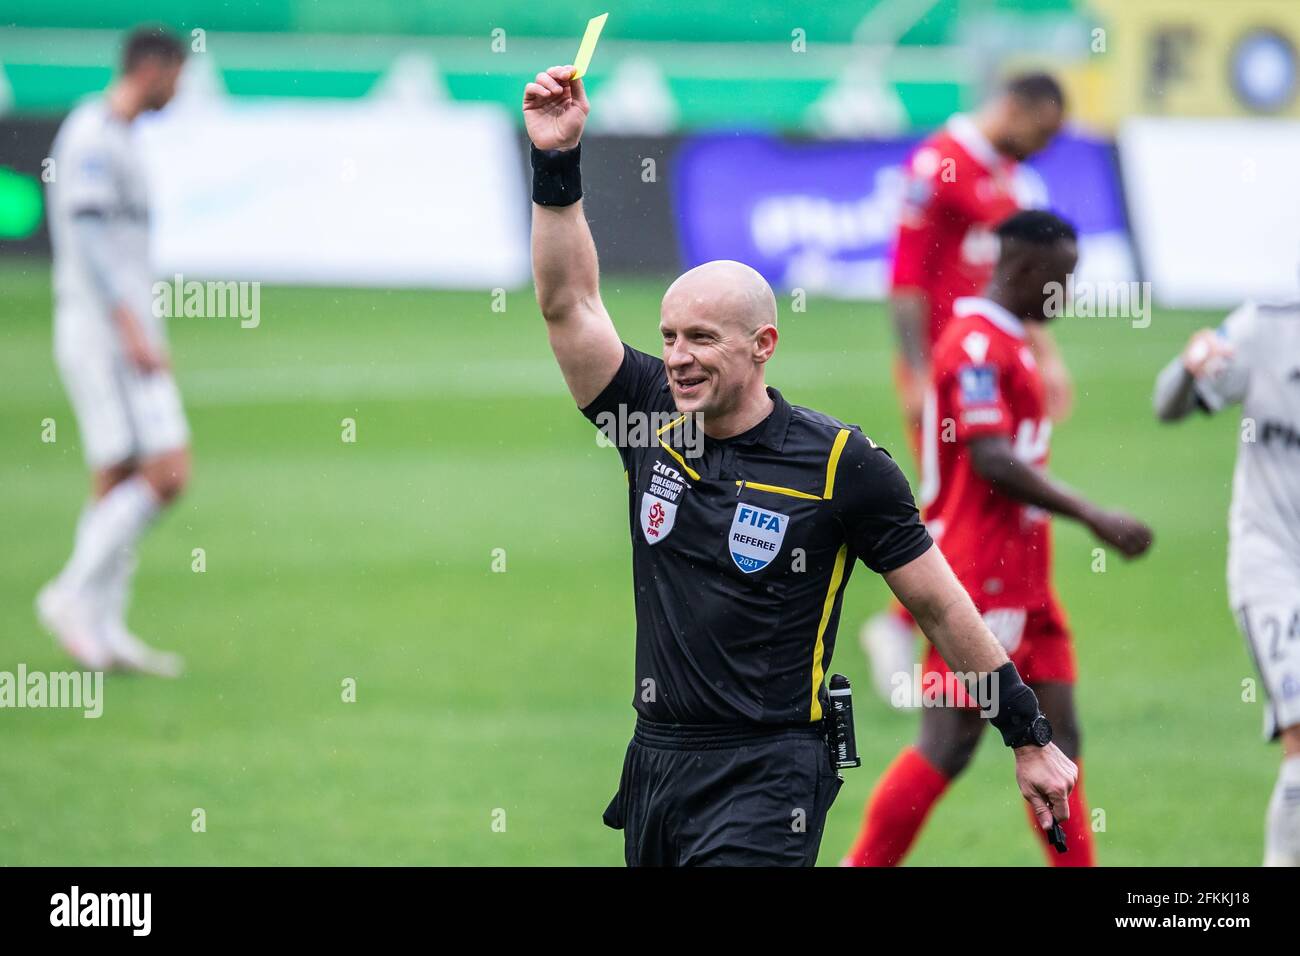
1253,359
112,355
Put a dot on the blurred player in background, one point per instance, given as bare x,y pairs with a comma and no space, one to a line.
988,502
112,356
1253,359
960,185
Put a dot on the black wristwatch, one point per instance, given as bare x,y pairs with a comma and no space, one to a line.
1037,733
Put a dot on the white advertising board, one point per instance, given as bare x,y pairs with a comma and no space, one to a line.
338,193
1214,208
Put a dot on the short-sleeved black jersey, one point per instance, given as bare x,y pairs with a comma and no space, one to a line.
740,555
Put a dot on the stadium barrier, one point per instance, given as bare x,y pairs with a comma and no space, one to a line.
352,194
821,216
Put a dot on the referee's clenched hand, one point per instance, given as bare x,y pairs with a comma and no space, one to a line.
555,109
1046,777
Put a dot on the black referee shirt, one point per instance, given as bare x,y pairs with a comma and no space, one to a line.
740,555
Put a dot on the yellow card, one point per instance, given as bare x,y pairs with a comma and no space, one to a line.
588,45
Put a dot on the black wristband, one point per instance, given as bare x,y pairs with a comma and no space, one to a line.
1010,704
557,175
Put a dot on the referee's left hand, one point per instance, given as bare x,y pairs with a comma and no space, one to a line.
1046,777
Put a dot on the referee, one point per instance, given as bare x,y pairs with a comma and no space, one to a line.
747,515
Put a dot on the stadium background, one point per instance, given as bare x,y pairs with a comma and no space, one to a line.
366,163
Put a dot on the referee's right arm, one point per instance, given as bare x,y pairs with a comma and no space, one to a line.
565,270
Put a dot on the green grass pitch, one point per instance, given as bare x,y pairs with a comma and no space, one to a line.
486,697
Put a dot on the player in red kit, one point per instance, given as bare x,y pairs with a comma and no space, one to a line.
987,499
960,186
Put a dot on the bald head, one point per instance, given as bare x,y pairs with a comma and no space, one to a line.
718,323
723,291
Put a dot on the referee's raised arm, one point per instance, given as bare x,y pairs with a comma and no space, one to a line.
565,271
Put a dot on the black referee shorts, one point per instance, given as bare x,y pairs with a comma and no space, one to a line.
723,795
